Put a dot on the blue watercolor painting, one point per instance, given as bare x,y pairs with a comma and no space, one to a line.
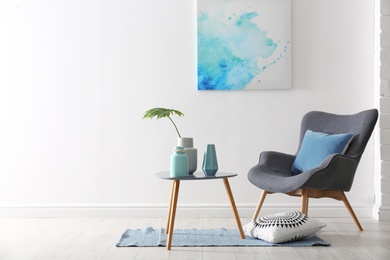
244,44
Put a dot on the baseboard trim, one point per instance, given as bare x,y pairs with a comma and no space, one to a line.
381,212
185,210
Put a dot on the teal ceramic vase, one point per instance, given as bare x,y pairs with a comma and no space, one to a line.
179,163
210,164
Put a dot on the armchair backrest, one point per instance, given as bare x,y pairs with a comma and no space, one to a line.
360,125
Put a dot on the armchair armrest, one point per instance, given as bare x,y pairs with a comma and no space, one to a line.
276,160
336,172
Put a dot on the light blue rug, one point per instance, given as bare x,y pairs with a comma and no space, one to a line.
150,237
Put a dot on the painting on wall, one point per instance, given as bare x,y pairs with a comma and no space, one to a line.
244,44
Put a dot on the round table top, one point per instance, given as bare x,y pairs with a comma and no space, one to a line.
196,176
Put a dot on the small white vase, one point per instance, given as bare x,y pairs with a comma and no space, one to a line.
192,153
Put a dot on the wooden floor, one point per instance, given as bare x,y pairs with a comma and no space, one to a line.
95,238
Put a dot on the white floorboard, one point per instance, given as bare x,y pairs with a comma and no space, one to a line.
95,238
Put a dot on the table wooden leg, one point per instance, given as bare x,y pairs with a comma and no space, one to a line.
176,185
236,216
170,207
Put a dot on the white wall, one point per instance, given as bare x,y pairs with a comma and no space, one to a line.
381,209
76,77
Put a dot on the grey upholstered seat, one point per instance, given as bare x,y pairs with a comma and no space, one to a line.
332,177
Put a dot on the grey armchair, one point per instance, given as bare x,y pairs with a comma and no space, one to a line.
332,178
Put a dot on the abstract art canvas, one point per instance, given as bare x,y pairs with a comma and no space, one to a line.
244,44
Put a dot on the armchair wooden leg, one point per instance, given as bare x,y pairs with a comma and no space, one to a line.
260,204
305,202
350,210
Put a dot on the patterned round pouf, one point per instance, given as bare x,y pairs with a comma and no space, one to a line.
283,227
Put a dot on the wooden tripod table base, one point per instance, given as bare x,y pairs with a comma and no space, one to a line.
175,195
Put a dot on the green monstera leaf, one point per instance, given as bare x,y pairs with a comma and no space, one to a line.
159,112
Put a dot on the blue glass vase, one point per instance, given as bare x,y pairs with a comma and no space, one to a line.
210,164
179,163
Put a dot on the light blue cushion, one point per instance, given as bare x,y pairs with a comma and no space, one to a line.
316,147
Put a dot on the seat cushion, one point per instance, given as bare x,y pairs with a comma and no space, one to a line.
316,146
283,227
